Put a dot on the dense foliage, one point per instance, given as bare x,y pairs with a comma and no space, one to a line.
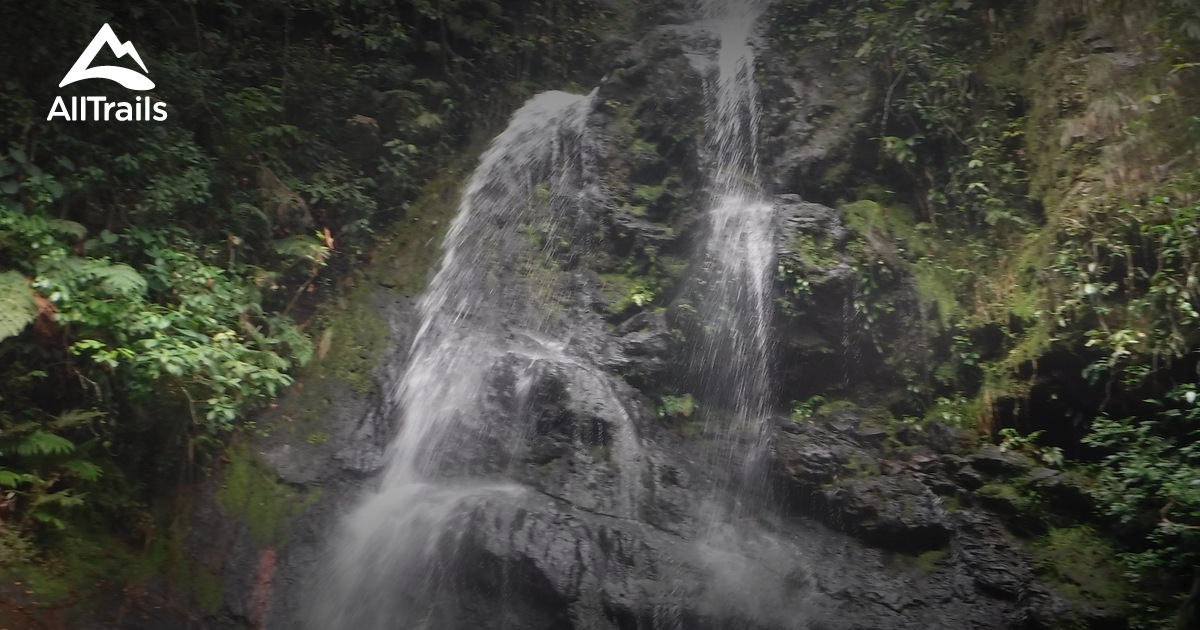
156,279
1044,197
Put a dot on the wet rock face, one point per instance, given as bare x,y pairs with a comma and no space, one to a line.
848,312
812,112
909,492
843,478
873,531
818,282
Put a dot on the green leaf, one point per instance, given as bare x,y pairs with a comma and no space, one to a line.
10,479
67,228
40,443
17,307
84,469
75,417
428,120
48,519
121,279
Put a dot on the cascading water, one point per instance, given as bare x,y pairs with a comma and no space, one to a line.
733,360
392,566
398,561
531,485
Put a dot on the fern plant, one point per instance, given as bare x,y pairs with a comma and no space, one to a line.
17,307
44,470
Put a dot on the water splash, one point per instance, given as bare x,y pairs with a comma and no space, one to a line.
852,323
734,358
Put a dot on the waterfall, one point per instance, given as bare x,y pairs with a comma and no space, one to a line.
465,311
393,562
734,359
489,335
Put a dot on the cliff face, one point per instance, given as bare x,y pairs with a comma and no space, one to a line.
890,514
935,293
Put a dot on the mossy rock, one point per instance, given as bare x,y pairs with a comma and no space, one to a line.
1003,498
1025,513
405,257
252,491
1082,565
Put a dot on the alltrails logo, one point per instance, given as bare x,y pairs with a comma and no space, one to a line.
99,107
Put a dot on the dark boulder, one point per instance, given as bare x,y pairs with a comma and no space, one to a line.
992,460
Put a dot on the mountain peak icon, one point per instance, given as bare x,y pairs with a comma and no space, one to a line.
130,79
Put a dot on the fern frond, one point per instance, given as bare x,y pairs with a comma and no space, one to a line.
302,247
40,443
14,432
67,228
121,279
62,498
17,307
48,519
12,479
84,469
75,417
114,278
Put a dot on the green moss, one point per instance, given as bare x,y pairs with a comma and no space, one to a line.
1023,510
623,292
934,287
811,252
693,428
928,562
198,577
15,549
896,220
677,406
1002,492
879,417
350,346
633,209
351,336
864,468
642,149
962,412
833,408
601,453
1082,565
208,589
673,267
647,194
251,491
405,258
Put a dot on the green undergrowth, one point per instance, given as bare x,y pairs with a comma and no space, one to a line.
1035,176
82,565
350,332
